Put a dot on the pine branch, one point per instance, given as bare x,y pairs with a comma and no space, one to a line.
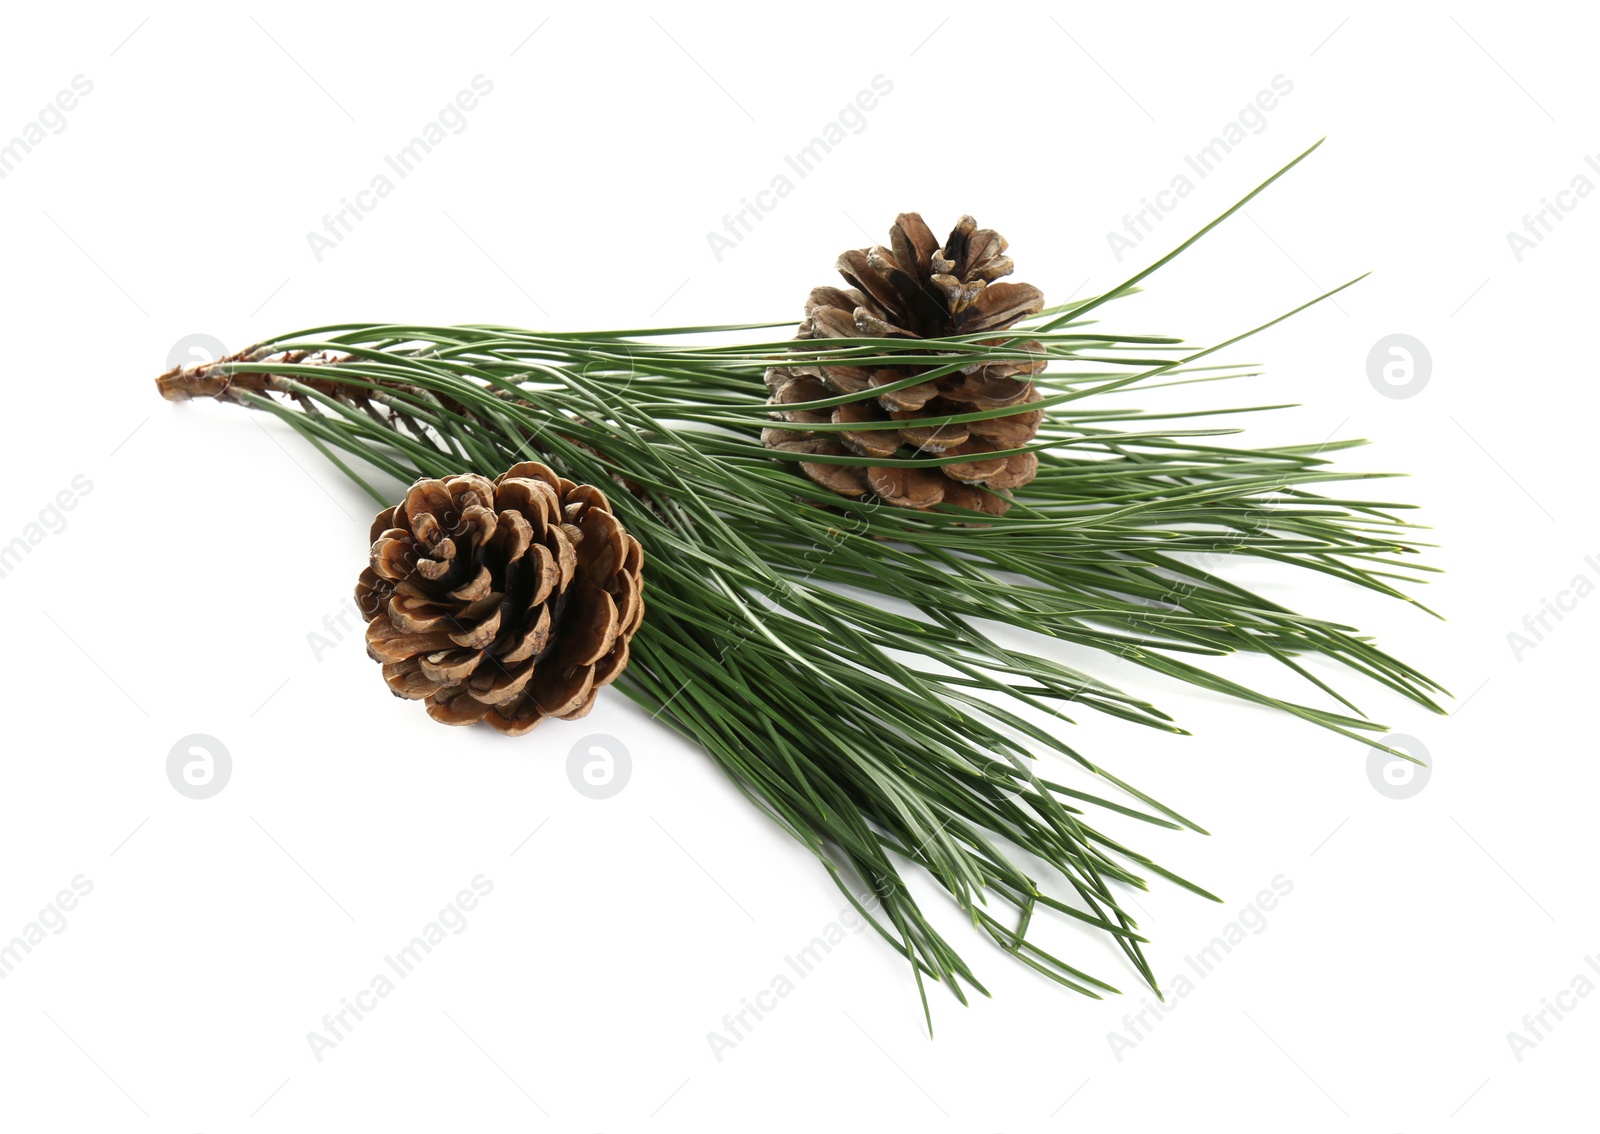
828,653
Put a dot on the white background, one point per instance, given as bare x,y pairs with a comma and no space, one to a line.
180,595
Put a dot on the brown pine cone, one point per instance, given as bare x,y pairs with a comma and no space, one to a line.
912,290
504,602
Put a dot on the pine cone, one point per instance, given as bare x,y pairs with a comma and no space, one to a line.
504,602
915,289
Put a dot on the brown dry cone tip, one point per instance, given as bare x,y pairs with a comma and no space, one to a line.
505,601
916,289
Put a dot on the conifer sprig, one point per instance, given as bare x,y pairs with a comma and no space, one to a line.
830,654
